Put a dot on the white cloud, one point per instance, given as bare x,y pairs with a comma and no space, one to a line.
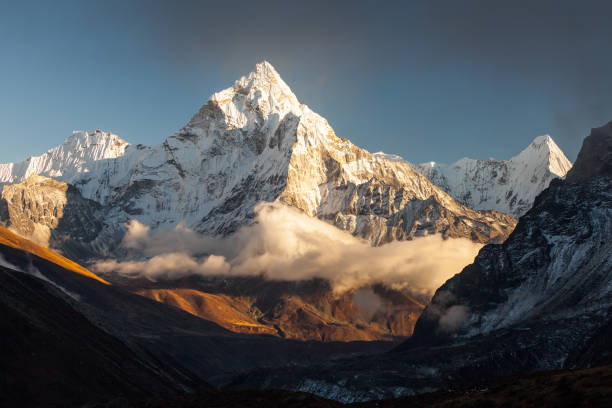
285,244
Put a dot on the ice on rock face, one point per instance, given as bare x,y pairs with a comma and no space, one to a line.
509,186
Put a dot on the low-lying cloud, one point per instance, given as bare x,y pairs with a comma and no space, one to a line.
285,244
453,318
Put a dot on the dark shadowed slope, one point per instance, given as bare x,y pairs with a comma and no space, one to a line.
595,157
51,355
548,389
555,266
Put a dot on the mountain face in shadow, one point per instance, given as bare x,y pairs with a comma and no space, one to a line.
52,355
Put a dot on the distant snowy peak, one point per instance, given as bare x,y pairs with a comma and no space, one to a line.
508,186
69,159
543,149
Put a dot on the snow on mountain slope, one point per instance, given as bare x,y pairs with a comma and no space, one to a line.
255,142
509,186
67,161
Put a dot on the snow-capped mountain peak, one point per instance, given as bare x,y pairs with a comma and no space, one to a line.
95,146
508,186
69,159
544,149
266,80
262,91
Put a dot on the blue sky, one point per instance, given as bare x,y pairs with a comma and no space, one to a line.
430,80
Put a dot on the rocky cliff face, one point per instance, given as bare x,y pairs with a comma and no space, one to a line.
595,158
509,186
249,143
51,213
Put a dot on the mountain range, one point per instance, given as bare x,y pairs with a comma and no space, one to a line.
249,143
357,314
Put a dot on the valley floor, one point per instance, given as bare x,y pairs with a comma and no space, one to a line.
569,388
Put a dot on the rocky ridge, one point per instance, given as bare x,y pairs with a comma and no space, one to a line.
46,210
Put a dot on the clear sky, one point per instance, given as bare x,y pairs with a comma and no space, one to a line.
428,80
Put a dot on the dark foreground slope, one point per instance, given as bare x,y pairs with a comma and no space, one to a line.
51,355
567,388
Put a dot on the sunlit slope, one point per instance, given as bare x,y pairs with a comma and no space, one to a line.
228,312
298,315
13,240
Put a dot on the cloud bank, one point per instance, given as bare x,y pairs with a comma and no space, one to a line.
285,244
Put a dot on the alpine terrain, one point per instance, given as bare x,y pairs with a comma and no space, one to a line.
538,295
251,143
542,300
508,186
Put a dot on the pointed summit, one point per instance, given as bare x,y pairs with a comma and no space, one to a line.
266,80
265,70
547,143
262,92
544,149
543,139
